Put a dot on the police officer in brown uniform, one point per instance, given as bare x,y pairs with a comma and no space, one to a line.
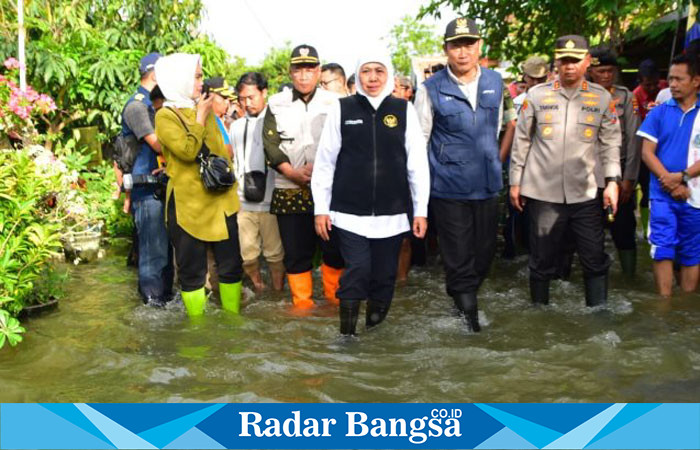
562,125
603,71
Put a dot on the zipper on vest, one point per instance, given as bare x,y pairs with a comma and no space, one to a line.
374,149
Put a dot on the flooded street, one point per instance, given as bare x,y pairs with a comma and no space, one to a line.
102,345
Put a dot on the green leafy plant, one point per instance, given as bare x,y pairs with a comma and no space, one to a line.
28,236
412,38
10,329
514,30
85,54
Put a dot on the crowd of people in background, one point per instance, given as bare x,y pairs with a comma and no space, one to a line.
364,175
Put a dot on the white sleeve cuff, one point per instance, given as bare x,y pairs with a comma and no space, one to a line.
648,136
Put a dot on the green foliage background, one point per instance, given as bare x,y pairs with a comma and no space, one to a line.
85,53
409,38
514,30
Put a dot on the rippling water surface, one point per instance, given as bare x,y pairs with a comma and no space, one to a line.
104,346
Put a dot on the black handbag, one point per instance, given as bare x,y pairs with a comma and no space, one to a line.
254,182
215,171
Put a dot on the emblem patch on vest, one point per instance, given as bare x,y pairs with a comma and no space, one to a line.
390,121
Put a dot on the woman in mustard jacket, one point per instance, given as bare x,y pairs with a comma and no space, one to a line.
196,218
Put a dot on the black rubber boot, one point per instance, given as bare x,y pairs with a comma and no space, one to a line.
376,313
349,311
628,262
466,302
539,292
596,290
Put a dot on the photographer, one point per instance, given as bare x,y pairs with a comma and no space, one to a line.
197,218
155,261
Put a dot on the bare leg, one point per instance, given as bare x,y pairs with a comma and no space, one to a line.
663,275
689,278
404,260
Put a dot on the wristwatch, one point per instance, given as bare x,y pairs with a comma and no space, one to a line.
686,177
617,180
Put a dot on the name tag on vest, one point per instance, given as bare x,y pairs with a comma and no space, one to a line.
354,122
488,91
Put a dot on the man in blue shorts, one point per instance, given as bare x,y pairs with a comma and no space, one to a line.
674,218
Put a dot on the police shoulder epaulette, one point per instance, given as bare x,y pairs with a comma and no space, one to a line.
593,87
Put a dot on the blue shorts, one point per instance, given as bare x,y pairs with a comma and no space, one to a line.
674,232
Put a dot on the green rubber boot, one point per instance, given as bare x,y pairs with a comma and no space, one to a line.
230,296
628,262
194,302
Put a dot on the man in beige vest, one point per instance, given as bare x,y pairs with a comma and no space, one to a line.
291,132
562,125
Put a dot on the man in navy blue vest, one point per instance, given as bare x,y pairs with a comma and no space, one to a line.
461,109
155,266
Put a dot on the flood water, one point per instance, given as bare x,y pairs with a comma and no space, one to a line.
102,345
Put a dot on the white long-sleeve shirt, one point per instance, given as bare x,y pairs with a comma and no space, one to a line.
250,158
372,227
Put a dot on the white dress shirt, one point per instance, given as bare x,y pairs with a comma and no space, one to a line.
424,107
372,227
248,130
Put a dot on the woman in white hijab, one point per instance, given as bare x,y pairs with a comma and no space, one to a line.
196,217
371,163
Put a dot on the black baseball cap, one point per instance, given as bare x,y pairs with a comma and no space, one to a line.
603,57
462,28
304,54
219,85
571,46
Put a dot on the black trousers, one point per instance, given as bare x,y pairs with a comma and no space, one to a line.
191,254
370,266
624,229
299,240
549,224
467,232
644,177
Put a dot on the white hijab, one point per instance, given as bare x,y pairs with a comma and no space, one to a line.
175,77
384,59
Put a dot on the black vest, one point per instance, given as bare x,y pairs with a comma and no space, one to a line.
370,173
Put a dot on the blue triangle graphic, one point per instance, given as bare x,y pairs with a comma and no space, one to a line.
139,417
20,423
530,431
161,435
671,425
582,435
120,436
506,439
195,438
561,417
631,412
69,412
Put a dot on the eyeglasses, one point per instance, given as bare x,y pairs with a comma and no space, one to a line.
327,82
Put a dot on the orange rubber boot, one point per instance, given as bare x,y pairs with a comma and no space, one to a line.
301,286
331,281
